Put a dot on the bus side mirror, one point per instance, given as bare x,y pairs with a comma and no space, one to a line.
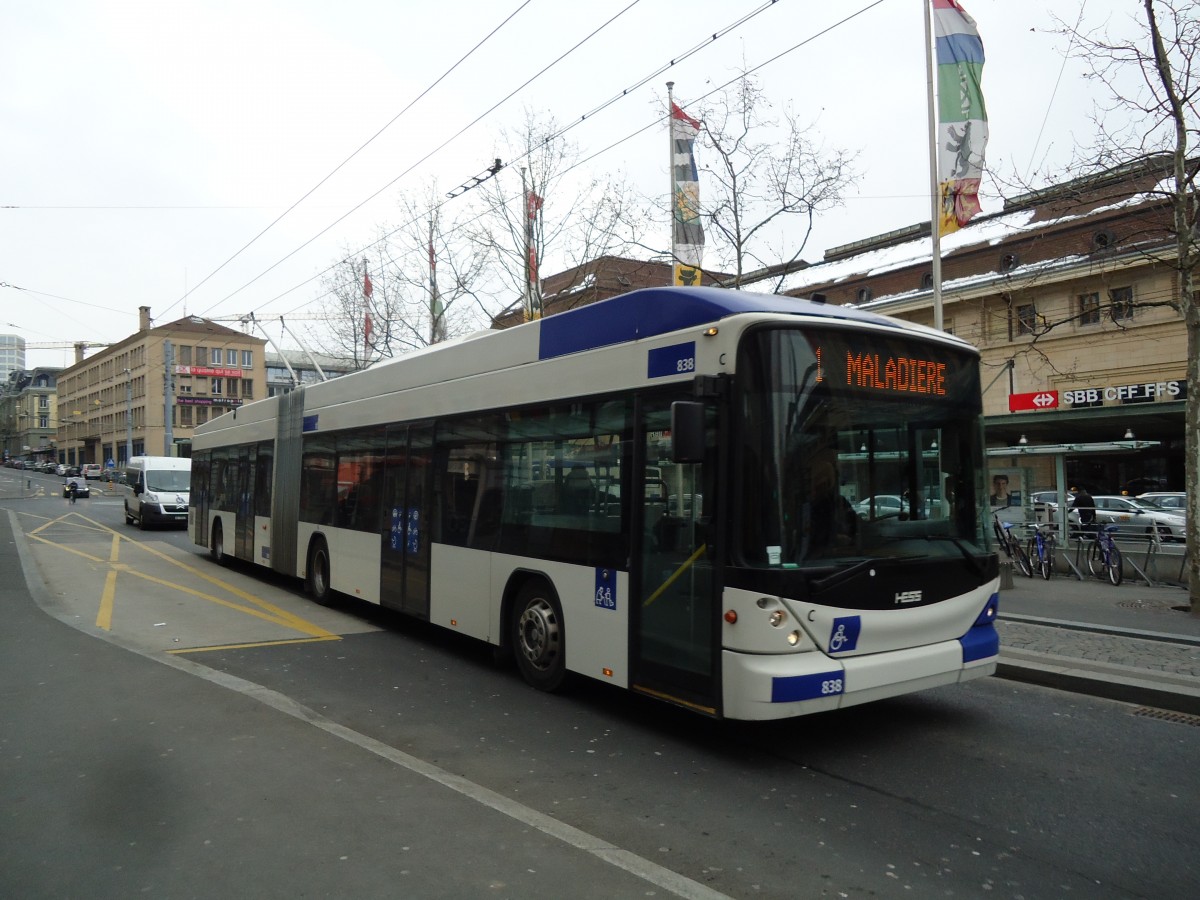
687,431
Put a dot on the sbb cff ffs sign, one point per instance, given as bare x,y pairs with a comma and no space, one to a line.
1038,400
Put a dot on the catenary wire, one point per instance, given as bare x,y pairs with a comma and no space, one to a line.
430,153
340,165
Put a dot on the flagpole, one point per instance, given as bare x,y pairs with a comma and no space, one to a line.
935,218
671,173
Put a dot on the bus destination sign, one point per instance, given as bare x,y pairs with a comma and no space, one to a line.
884,372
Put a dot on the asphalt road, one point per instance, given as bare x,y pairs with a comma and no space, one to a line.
385,757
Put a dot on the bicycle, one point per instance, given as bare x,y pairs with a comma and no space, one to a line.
1011,546
1041,550
1104,558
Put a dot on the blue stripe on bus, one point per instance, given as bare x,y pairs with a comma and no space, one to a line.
310,423
654,311
808,687
980,642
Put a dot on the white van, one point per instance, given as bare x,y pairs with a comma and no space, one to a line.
156,490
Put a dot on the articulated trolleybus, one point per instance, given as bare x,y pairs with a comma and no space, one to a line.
750,506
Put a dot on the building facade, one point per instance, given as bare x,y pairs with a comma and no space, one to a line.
28,413
147,393
12,355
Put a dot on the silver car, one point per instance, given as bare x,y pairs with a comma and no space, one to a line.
1172,501
1135,517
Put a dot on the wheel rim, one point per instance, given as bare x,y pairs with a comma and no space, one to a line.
538,634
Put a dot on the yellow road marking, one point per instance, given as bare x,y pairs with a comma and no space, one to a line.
256,644
258,607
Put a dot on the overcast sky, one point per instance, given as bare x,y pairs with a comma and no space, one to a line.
144,143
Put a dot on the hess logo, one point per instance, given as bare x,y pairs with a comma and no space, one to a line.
908,597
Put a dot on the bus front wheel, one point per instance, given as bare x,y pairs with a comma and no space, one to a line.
318,574
538,639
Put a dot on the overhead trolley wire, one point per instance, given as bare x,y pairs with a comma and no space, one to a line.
440,146
575,122
369,140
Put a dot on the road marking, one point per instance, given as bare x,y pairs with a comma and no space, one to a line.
255,645
257,607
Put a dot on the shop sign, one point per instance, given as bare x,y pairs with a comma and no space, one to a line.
207,401
1171,390
208,372
1036,400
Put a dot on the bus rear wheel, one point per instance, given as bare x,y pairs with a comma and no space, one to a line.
538,637
216,547
318,574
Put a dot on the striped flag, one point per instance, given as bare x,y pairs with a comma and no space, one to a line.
688,233
962,118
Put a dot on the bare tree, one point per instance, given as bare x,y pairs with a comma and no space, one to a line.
579,219
1152,81
354,326
759,182
438,272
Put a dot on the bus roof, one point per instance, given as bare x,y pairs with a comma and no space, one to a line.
653,311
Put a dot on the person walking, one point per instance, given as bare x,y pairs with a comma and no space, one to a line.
1083,504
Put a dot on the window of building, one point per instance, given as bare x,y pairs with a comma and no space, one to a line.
1122,303
231,357
216,356
185,416
216,386
1089,309
247,359
185,354
1026,318
201,355
43,421
43,401
201,415
185,387
247,388
231,387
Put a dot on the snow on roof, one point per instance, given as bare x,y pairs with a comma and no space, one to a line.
992,230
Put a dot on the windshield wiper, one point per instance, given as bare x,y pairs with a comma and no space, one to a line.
963,548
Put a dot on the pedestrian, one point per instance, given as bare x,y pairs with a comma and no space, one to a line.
1083,504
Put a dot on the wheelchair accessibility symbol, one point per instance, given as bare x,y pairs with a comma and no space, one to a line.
844,636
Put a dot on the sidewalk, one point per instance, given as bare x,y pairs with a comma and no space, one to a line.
1133,642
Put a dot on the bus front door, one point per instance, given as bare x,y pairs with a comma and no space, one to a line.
408,493
674,649
244,525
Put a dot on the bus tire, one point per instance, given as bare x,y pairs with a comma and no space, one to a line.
216,547
538,638
317,579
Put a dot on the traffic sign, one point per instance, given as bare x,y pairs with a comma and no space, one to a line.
1036,400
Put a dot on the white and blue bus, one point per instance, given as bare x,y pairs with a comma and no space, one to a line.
751,506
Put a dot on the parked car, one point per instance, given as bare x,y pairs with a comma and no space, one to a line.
1134,517
1045,507
90,470
1172,501
885,505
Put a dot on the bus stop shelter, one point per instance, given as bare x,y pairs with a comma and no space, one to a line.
1059,453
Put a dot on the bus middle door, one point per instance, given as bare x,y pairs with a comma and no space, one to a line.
244,526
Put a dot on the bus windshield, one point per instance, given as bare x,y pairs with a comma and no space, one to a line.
857,446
